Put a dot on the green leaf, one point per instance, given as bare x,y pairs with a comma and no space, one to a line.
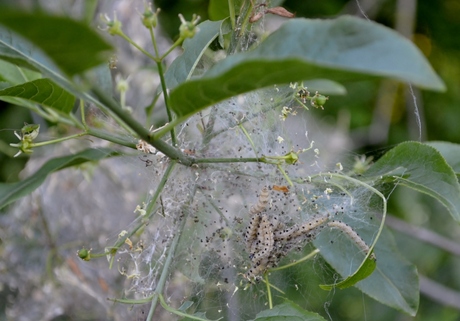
15,75
343,49
183,66
422,168
287,311
42,91
394,282
218,9
10,192
450,152
365,269
71,44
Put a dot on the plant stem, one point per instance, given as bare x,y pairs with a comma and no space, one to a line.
309,256
174,45
171,152
166,99
53,141
226,160
165,272
269,291
138,47
231,10
182,314
111,138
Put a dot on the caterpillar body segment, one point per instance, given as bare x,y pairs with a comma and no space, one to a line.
262,203
345,228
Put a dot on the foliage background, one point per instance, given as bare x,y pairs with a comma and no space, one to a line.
361,113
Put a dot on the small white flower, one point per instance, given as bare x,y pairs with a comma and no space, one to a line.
280,139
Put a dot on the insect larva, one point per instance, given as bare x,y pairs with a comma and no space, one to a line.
353,235
251,232
310,226
286,234
281,188
256,269
264,238
262,202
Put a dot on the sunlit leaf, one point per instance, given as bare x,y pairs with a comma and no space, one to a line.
346,48
422,168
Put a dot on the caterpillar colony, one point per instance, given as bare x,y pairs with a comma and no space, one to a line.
268,240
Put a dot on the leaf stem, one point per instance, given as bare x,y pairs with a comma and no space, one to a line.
226,160
307,257
165,272
53,141
269,291
170,151
128,39
231,10
182,314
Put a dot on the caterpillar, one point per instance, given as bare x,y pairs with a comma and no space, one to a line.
311,226
265,238
257,269
352,235
262,202
251,232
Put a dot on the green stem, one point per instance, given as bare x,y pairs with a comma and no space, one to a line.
111,138
149,210
159,189
285,175
128,39
165,272
309,256
53,141
131,301
231,10
249,138
384,210
226,160
171,152
182,314
174,45
246,18
166,99
154,42
269,291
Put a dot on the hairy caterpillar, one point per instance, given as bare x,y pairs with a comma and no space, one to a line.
352,235
262,202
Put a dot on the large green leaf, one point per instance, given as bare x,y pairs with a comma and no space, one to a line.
183,66
346,48
71,44
9,192
287,311
422,168
394,282
450,152
42,91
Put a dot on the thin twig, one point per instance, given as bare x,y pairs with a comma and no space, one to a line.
424,235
